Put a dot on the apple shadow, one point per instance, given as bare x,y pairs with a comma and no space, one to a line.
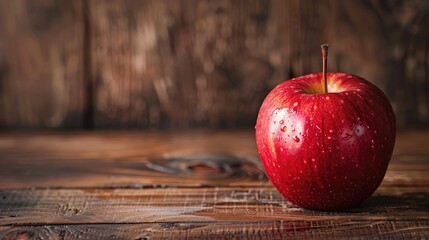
416,202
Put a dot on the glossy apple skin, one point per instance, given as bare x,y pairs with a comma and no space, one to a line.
326,151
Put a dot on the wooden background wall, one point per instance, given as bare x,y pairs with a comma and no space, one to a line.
190,63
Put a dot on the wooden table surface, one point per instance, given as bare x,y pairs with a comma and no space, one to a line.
201,184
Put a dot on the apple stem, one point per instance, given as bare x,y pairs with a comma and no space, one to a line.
324,67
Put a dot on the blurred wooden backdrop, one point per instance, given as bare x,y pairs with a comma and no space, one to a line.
190,63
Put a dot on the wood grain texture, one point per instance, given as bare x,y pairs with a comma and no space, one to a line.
185,64
249,204
41,70
146,159
130,52
211,63
226,230
201,184
129,159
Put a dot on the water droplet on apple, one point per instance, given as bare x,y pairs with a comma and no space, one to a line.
283,128
282,121
296,139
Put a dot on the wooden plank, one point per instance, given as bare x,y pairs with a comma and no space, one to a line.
247,204
179,171
169,159
142,159
127,159
157,64
41,70
180,64
211,63
188,185
130,51
227,230
197,63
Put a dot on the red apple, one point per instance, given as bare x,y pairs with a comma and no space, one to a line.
326,149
